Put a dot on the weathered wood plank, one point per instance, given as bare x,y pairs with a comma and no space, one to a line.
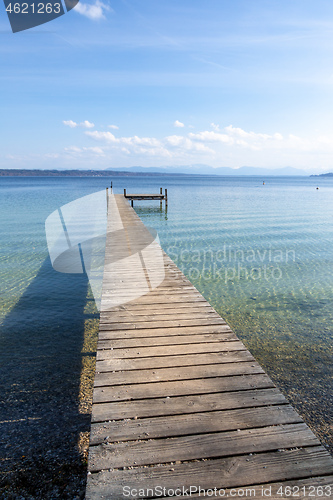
159,299
181,388
220,473
163,310
195,423
169,350
157,292
178,373
141,286
162,341
304,489
217,444
173,322
165,332
172,314
172,361
179,405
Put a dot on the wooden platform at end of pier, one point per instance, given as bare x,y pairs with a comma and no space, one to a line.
152,196
180,405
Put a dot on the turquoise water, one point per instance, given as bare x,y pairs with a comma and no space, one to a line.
261,254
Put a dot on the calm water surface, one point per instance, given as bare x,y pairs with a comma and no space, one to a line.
261,254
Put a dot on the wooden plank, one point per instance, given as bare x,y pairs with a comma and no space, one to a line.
224,335
162,341
169,350
105,333
161,299
159,316
313,487
148,299
180,405
141,195
158,291
142,309
217,444
181,388
180,425
173,321
142,301
136,281
168,284
172,361
220,473
179,373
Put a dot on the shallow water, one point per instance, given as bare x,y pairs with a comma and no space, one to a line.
260,254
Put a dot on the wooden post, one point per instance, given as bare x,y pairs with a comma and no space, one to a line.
166,198
132,202
111,186
161,192
125,193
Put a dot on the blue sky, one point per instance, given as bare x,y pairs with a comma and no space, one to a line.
170,82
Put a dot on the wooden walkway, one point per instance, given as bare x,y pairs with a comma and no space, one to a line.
179,402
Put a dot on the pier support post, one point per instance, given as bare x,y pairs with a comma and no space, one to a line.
166,198
161,192
132,202
125,193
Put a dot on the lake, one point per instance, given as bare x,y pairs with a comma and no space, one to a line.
259,250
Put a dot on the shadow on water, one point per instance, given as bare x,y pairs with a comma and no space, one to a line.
149,211
40,372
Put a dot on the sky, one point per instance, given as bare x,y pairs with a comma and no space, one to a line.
118,83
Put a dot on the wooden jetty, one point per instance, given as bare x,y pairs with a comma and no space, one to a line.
180,405
157,196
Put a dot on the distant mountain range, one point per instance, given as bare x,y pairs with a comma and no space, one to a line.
22,172
168,170
329,174
199,169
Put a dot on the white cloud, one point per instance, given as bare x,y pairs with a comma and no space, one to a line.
85,124
173,146
142,141
97,151
135,140
230,146
73,149
207,142
210,136
103,136
215,127
238,132
146,146
70,123
178,124
175,140
235,136
114,127
185,144
79,152
92,11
